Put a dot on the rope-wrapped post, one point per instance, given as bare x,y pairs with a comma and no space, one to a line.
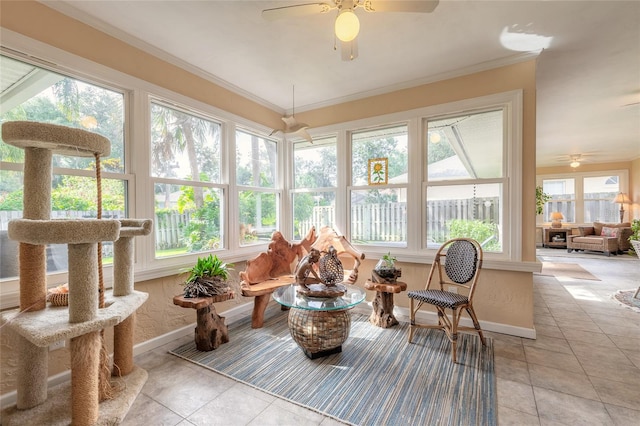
123,346
85,363
123,285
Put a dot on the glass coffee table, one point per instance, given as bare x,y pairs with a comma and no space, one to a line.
319,325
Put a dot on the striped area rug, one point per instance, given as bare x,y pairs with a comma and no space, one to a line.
377,379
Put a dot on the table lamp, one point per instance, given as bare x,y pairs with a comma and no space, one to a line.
556,217
622,198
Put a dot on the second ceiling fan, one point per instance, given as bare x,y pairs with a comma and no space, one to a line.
347,24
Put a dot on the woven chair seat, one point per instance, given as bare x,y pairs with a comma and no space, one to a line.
444,299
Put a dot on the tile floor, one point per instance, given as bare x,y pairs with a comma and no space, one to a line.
583,368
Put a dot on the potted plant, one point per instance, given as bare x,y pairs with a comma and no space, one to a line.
635,236
541,198
385,270
208,277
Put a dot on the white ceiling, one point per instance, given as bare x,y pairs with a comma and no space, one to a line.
587,76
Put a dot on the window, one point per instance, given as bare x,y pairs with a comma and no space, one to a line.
185,169
465,178
563,198
584,197
313,197
256,180
599,191
32,93
378,195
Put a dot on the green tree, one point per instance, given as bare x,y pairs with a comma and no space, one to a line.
483,232
174,132
439,151
203,230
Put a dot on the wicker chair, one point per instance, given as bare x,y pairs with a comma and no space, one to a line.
457,263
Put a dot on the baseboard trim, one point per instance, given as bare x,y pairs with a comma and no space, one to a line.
231,315
403,314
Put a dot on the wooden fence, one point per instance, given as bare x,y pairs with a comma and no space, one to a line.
387,222
370,222
593,211
168,227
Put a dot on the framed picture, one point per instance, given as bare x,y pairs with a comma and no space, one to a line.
378,171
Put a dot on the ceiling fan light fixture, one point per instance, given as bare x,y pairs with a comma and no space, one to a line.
347,25
574,164
434,137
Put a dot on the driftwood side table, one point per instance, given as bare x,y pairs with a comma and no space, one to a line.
210,331
382,314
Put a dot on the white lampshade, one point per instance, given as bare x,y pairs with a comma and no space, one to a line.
347,25
434,137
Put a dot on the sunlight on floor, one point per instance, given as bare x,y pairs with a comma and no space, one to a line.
581,293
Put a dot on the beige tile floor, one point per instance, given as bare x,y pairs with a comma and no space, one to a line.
583,368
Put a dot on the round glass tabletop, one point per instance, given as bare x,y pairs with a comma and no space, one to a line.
288,296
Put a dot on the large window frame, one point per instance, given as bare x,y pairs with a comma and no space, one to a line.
378,205
57,253
140,93
416,250
138,96
305,187
264,190
490,188
579,198
213,193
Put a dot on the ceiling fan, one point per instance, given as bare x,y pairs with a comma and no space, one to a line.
347,25
291,125
575,160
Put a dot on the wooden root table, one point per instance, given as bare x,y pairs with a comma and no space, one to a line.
210,331
382,314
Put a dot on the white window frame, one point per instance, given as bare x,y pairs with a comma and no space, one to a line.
353,187
290,182
512,104
505,240
140,203
222,185
623,185
277,188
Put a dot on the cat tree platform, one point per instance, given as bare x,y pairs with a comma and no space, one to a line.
50,325
56,410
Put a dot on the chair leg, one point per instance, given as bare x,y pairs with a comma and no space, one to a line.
476,324
454,336
412,322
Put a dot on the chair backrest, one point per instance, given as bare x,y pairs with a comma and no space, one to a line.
459,260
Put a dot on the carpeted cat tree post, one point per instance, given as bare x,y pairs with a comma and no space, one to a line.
123,286
38,326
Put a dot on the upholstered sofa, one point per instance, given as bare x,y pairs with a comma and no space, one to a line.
607,238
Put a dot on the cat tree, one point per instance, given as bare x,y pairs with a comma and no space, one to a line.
37,326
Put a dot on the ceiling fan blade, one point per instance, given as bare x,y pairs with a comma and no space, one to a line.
349,49
423,6
295,10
